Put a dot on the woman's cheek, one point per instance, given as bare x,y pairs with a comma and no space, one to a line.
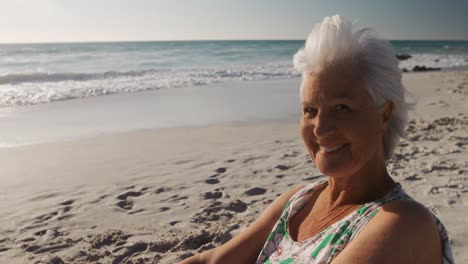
307,131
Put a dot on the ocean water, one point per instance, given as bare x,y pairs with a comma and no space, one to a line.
42,73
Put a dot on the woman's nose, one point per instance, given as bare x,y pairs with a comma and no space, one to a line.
323,124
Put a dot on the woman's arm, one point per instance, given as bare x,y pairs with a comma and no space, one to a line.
401,232
245,247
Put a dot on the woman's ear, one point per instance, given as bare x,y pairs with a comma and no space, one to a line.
387,114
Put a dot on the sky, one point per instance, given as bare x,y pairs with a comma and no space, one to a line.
23,21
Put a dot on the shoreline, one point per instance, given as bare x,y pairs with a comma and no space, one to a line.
224,103
75,119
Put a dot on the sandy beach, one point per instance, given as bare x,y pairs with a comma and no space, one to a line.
161,195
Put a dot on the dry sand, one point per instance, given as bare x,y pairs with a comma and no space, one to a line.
158,196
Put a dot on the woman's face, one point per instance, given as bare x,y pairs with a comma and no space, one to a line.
341,125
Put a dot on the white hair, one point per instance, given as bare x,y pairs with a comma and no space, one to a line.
333,42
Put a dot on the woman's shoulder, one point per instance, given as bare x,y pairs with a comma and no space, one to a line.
407,207
403,231
398,210
406,215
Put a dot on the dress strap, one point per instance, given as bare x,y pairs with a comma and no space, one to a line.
297,201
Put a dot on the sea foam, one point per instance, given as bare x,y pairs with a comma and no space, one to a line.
36,88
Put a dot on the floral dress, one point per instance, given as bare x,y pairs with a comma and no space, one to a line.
323,247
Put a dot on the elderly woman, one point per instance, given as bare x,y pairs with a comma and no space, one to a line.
353,113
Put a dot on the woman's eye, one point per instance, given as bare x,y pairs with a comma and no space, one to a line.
343,107
310,111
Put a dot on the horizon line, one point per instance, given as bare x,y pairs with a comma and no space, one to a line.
193,40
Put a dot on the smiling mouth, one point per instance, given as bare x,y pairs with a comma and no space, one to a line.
331,148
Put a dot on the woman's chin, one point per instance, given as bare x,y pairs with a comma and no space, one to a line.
333,171
333,164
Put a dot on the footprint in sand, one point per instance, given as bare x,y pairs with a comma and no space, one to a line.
220,170
212,181
195,241
125,202
164,208
28,239
63,217
69,202
282,167
413,177
66,209
173,223
213,212
125,195
33,226
237,206
44,217
162,189
255,191
175,198
40,233
212,195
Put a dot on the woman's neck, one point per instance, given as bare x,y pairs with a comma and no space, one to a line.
367,184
